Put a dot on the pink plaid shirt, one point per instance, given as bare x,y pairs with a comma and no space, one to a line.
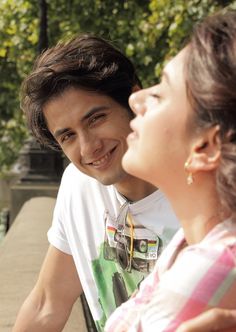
181,287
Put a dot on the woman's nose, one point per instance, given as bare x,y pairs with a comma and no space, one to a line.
136,101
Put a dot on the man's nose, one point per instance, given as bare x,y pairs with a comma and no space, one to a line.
90,145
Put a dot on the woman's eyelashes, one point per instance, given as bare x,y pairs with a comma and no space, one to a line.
155,95
156,92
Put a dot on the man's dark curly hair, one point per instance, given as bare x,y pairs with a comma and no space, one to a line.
87,62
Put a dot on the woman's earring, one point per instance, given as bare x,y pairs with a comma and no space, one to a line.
190,179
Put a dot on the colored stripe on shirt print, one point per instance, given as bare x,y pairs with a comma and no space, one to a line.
205,290
111,232
152,245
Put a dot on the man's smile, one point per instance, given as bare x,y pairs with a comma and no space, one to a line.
104,160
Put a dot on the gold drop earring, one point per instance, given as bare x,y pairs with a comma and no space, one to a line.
190,179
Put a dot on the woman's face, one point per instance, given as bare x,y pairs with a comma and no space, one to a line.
158,146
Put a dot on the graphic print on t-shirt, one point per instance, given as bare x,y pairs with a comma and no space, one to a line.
116,280
117,247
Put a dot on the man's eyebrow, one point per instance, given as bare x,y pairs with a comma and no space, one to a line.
93,111
60,132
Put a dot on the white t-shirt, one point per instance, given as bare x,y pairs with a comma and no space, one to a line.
89,225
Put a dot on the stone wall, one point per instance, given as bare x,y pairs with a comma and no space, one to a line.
21,255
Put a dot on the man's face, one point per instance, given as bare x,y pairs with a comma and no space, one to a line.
91,129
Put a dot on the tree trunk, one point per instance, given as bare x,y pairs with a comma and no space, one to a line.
43,26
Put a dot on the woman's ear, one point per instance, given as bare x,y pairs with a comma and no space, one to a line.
206,151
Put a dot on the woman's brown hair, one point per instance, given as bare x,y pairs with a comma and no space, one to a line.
211,84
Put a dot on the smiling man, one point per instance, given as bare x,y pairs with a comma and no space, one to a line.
91,129
108,227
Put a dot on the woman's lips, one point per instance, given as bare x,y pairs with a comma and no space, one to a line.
132,136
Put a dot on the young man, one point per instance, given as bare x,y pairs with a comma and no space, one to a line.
108,227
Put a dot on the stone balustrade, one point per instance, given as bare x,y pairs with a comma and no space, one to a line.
21,255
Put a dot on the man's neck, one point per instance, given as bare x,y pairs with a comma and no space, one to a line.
134,189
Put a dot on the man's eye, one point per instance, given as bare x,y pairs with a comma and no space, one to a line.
66,137
96,118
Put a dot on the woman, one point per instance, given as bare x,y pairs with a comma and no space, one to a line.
184,142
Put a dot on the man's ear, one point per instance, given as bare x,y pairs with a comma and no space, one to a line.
206,151
136,88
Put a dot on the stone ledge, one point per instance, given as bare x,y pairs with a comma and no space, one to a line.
21,255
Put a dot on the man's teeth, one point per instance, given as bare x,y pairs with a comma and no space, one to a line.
102,160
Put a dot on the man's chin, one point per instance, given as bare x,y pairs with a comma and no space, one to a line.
112,180
106,182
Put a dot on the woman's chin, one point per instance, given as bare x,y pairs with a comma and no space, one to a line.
130,165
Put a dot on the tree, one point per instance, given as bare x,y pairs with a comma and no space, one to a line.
18,39
43,26
148,31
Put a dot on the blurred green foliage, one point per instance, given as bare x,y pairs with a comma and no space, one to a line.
148,31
